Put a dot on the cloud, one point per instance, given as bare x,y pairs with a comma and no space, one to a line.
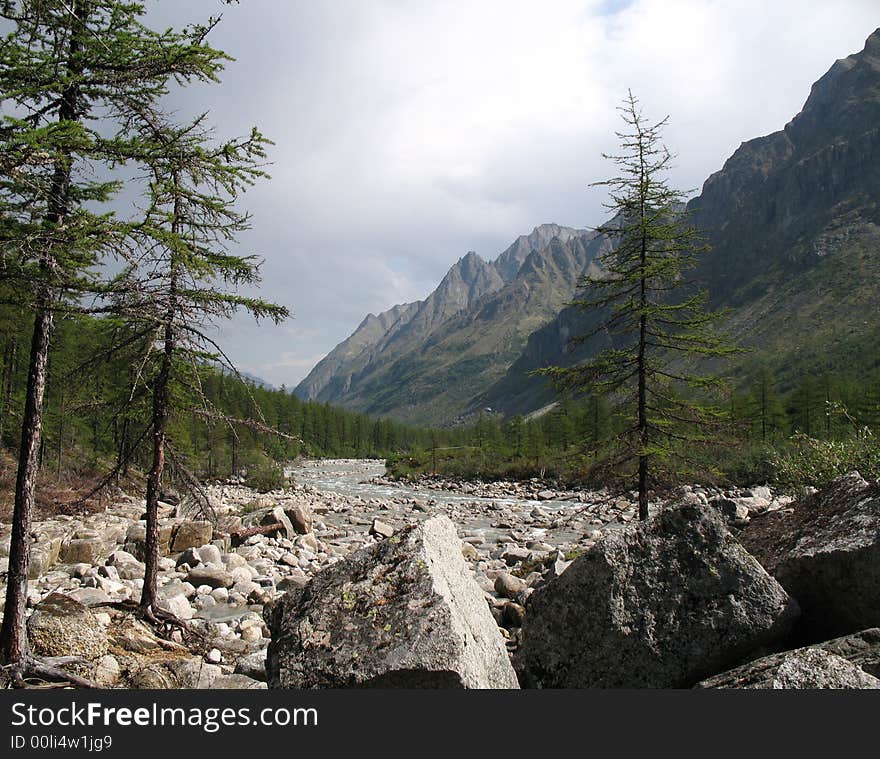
409,133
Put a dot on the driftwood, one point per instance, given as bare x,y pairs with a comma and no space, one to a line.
240,536
23,673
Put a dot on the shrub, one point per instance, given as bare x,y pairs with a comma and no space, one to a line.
811,462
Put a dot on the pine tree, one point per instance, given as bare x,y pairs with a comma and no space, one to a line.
186,279
652,315
766,411
63,65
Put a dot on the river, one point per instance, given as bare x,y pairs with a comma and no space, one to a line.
491,518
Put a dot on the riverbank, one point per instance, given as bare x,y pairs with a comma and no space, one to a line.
513,535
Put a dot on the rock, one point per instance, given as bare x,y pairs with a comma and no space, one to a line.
732,510
404,612
213,578
251,634
469,552
191,534
657,604
190,557
381,529
214,656
135,539
559,564
107,671
90,596
133,636
233,561
802,668
177,588
826,553
61,626
193,672
300,517
514,556
291,582
85,550
252,665
178,606
130,570
507,586
762,492
514,614
40,561
210,554
237,682
277,515
546,495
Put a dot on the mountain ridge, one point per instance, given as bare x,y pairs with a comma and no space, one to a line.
794,224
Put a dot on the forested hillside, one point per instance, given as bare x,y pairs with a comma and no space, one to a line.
96,417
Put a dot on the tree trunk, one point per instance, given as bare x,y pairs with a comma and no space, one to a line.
13,639
149,595
643,390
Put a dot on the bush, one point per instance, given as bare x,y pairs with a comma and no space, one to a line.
264,475
811,462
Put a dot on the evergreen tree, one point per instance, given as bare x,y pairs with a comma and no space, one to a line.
635,296
64,65
185,280
766,412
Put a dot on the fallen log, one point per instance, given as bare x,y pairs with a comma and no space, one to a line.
237,538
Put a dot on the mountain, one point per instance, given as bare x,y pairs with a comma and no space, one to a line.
425,361
793,219
794,224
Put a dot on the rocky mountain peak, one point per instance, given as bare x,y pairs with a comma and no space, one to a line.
510,261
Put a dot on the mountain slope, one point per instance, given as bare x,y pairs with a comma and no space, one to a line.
458,340
794,222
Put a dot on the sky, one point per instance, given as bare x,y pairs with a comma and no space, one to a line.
409,132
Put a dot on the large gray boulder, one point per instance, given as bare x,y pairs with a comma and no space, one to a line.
61,626
851,661
658,604
402,613
826,553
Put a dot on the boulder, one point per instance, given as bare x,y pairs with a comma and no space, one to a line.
658,604
191,534
826,553
381,529
801,668
83,550
507,586
90,596
61,626
136,537
252,665
404,612
237,682
300,517
178,606
732,509
215,578
277,515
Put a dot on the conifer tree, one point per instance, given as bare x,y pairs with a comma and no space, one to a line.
65,66
186,278
656,320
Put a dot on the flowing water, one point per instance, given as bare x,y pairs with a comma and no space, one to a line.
472,513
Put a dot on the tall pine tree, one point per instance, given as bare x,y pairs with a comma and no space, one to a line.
72,73
657,322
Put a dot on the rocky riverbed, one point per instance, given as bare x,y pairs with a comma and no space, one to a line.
514,536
